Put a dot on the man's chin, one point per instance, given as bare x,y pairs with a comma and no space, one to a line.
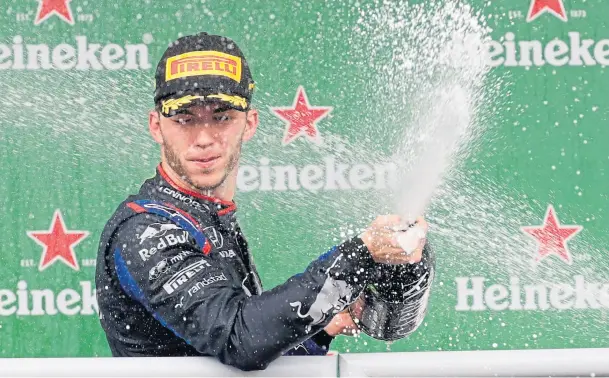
205,182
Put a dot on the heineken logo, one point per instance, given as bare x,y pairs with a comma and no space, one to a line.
576,51
301,121
511,51
480,294
74,55
554,7
24,301
329,174
58,243
60,8
301,118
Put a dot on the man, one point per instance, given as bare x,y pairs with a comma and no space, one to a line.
174,273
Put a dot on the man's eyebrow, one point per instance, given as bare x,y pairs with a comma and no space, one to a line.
183,111
222,109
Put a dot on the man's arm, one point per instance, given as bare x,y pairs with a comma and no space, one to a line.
196,298
317,345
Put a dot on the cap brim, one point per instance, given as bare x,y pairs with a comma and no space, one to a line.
171,106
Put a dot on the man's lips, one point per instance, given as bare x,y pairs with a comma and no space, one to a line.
206,161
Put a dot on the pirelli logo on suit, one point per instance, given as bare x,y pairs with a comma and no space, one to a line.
181,277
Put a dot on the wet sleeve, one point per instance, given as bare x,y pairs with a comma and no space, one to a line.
167,270
318,345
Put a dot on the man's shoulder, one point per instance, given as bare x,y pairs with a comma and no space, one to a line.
121,212
126,208
125,216
136,211
156,209
139,218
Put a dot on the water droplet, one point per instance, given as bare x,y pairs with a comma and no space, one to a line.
147,38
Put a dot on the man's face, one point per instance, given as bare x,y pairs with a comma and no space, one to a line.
202,144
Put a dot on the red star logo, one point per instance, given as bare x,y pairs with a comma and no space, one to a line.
552,237
301,118
58,243
539,7
46,8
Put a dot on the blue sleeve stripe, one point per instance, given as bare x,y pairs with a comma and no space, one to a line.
134,291
314,349
126,279
326,255
310,347
321,258
181,218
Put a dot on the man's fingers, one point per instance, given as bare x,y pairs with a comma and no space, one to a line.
388,237
395,256
394,241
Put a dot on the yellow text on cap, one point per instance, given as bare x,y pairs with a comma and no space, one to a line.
198,63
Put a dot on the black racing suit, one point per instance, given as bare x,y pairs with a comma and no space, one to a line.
175,278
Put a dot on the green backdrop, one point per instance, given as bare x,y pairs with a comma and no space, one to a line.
76,79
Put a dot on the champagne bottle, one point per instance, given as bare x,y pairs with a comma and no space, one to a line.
394,304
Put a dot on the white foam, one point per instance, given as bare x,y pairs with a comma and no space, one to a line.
429,61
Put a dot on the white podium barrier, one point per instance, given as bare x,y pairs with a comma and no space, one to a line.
513,363
593,363
293,366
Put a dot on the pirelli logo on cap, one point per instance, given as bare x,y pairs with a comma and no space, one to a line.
197,63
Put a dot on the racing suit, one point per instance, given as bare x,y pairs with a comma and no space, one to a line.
175,278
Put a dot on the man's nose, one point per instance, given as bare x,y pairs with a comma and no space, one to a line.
205,136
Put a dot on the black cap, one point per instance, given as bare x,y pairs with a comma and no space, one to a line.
202,68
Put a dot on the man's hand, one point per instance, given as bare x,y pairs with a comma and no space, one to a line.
342,324
380,238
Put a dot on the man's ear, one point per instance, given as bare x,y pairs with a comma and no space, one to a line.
154,126
251,124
